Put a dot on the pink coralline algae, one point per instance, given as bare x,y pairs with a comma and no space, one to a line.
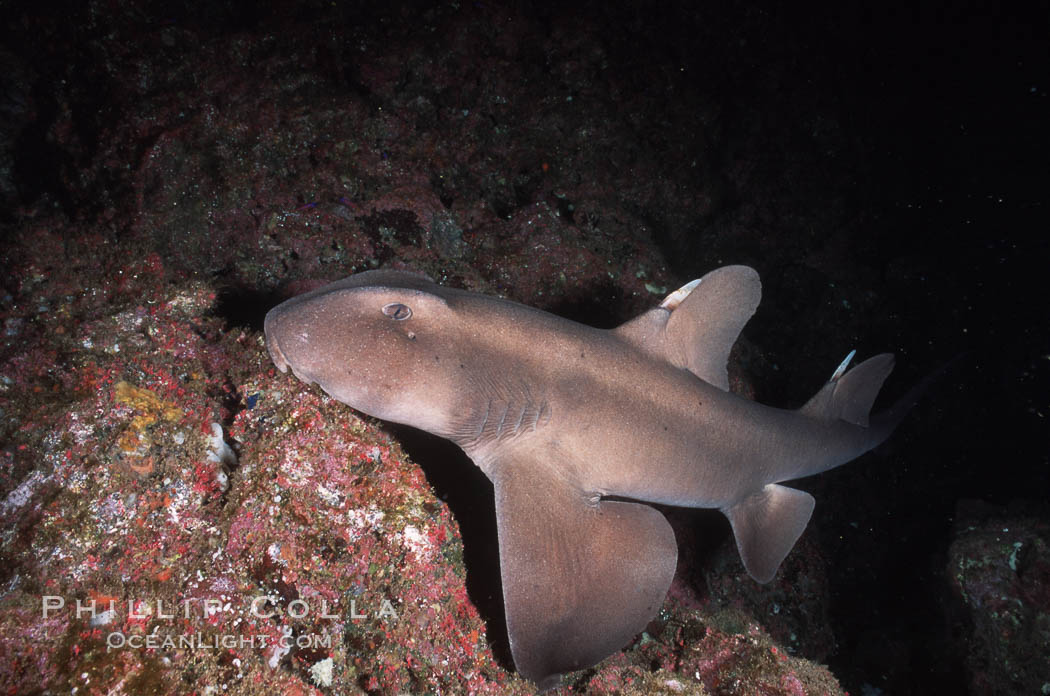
139,558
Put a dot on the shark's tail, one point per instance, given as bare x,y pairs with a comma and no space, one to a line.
849,396
885,422
767,523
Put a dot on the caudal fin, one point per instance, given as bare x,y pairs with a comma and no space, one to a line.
886,421
768,522
849,396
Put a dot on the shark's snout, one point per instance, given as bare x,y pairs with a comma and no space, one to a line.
274,349
276,355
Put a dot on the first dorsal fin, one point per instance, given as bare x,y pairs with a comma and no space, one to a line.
696,326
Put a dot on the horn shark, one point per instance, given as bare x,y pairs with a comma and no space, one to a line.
579,428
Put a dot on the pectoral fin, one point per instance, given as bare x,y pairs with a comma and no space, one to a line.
581,577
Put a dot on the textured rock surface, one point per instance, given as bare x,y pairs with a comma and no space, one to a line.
999,566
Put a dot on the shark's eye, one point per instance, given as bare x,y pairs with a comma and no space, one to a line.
397,311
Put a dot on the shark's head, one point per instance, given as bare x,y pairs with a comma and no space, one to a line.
383,342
